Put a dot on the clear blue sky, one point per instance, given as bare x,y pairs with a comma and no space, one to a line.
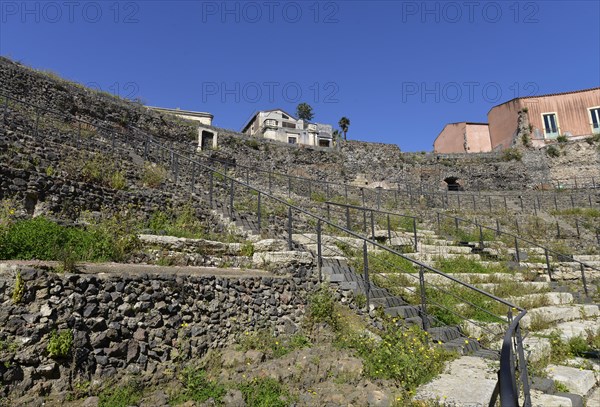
399,70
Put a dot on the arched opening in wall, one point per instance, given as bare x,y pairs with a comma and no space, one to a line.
453,184
207,140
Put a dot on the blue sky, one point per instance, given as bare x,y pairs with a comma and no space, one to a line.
400,70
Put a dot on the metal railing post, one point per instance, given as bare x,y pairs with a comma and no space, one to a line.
498,232
210,189
517,254
231,197
439,224
364,220
577,227
548,264
146,147
247,177
366,274
490,203
474,206
557,230
458,201
423,310
415,234
258,211
372,226
348,218
481,237
523,367
270,182
193,184
585,288
555,203
505,205
389,229
289,186
319,251
37,122
5,110
78,135
328,212
289,225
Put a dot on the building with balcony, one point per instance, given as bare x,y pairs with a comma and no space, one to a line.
281,126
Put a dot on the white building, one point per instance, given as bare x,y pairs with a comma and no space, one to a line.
207,136
278,125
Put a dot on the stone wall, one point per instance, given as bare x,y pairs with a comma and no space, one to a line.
375,162
131,323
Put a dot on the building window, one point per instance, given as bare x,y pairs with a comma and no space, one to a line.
288,125
324,143
271,123
292,140
551,128
285,116
595,116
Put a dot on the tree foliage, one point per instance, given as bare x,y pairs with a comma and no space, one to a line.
304,111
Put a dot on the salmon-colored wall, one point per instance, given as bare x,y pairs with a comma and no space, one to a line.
571,110
451,139
478,138
503,123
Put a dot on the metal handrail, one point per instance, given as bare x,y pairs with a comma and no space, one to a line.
290,208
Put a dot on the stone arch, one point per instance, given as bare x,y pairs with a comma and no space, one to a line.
453,184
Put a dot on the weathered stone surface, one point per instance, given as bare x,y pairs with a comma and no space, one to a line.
578,381
187,314
467,369
282,258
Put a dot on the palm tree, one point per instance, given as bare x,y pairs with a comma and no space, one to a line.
344,123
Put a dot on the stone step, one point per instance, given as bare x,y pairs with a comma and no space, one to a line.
431,249
444,333
403,311
559,313
578,381
430,257
576,328
387,302
551,298
467,381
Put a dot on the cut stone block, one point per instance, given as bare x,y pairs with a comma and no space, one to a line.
578,381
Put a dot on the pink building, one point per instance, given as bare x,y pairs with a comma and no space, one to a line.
463,137
572,114
542,118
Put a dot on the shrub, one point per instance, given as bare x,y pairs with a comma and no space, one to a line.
154,175
553,152
562,138
512,154
121,396
402,355
265,392
19,290
321,307
272,346
526,140
60,344
197,387
247,249
117,180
